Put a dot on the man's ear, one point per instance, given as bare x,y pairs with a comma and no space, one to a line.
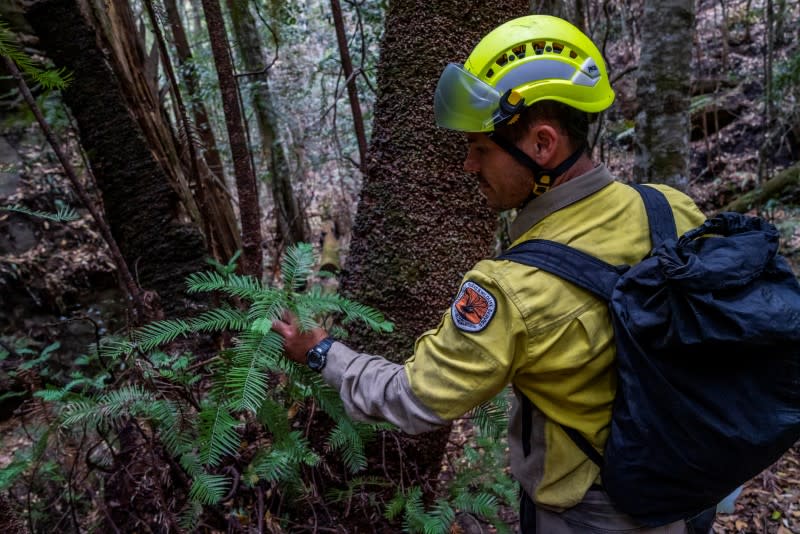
541,142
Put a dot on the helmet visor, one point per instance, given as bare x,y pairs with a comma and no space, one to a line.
463,102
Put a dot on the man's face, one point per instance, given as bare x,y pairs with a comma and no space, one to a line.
501,179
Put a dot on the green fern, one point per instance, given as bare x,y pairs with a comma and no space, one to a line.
63,213
242,286
189,519
281,463
219,320
273,416
297,266
251,376
49,79
159,333
209,489
491,417
218,436
346,438
83,411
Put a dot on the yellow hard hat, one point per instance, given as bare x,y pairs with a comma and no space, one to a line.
525,60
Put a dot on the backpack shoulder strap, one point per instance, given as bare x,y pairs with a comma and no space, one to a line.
659,214
583,270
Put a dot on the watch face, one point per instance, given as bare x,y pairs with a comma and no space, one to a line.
315,360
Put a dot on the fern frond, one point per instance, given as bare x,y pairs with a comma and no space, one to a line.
83,411
395,506
218,320
482,503
218,436
272,465
440,518
176,430
51,395
273,416
262,325
320,303
269,304
243,286
64,213
491,417
296,266
191,464
246,381
112,347
345,438
281,463
208,488
49,79
127,399
189,519
154,334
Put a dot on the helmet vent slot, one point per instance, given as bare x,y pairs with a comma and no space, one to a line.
558,47
489,73
573,54
519,51
538,47
502,60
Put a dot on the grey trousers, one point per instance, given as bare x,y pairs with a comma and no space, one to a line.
594,515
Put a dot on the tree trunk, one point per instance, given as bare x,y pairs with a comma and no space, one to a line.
350,81
421,223
785,183
249,212
214,208
189,75
289,214
130,145
663,93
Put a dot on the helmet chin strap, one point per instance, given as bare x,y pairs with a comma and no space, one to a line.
543,179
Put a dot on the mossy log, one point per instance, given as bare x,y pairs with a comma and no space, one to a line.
772,188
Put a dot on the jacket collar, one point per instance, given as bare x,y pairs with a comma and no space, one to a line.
559,197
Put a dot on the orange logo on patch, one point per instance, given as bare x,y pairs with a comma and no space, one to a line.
473,308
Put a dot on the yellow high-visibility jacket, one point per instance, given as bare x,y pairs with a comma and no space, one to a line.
514,324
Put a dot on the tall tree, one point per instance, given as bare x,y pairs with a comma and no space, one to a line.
289,213
350,81
249,211
130,144
189,74
663,92
421,223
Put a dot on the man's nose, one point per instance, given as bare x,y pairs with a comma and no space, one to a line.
471,164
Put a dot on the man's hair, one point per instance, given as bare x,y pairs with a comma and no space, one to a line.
572,121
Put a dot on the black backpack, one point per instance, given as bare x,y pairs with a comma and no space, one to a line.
707,332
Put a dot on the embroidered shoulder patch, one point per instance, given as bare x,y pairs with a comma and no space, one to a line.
473,308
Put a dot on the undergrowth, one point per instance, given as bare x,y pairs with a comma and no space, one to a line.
221,438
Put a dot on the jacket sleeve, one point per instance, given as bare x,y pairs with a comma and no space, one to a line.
374,389
467,360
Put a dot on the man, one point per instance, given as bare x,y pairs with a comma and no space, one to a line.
524,97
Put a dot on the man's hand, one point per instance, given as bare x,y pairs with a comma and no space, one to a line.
296,343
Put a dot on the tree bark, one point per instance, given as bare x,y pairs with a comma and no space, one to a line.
128,139
290,216
249,212
421,223
663,93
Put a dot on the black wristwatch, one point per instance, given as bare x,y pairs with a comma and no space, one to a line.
317,357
